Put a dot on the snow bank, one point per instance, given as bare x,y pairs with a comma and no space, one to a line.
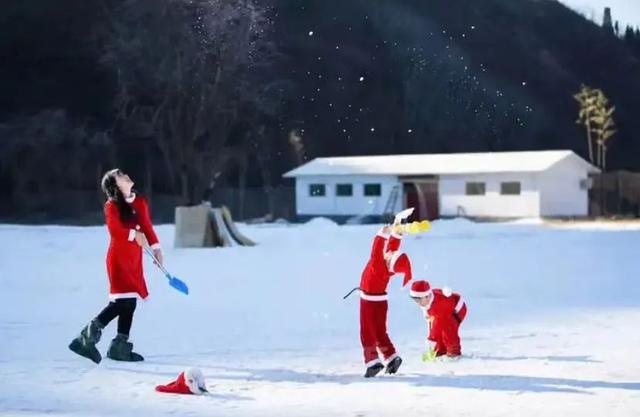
320,223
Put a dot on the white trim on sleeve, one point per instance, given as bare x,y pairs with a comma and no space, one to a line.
132,235
394,259
156,246
396,235
459,305
382,234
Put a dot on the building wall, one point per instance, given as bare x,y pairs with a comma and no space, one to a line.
561,194
555,192
357,204
454,201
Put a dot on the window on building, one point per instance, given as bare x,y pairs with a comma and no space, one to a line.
475,188
372,190
344,190
510,188
317,190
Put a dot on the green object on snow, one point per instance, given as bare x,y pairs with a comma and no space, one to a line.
429,356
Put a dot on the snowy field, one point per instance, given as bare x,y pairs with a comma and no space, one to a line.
552,330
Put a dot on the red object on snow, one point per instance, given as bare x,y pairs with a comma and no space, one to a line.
188,382
124,257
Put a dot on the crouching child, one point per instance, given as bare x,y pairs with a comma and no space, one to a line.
444,310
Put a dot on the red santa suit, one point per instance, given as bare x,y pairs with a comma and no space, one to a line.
445,313
124,257
373,296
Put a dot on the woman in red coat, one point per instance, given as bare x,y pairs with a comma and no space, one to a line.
130,228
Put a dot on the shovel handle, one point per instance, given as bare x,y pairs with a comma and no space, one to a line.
150,253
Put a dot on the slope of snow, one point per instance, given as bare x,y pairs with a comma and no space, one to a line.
552,325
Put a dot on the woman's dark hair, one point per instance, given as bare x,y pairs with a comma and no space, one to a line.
111,190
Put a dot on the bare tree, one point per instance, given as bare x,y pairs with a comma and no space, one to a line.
183,71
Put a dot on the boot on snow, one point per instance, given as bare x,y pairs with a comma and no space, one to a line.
374,370
121,350
394,365
85,344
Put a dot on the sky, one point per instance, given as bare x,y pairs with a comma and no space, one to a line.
625,11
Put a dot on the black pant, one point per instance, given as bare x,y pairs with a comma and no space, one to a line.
122,308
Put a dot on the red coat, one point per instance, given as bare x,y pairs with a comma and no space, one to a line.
124,257
376,275
446,305
446,312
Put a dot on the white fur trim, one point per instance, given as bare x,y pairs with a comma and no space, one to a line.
420,294
194,379
371,363
132,235
446,291
131,198
396,235
459,305
382,234
369,297
156,246
390,358
124,295
394,259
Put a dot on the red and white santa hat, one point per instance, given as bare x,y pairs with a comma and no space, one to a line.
400,264
190,381
420,289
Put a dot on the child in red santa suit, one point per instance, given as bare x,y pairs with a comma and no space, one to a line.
384,262
444,311
129,225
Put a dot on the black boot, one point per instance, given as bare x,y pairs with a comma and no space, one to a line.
121,350
85,343
373,370
393,365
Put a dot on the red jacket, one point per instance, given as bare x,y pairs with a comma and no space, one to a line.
376,274
124,257
446,305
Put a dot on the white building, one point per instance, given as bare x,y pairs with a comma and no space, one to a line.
498,185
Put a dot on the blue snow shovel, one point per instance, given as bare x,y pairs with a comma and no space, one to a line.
176,283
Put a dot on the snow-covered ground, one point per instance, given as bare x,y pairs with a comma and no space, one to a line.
552,328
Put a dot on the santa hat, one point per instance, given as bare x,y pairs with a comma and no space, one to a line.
400,264
190,381
420,289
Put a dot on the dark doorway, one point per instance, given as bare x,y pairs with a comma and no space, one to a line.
423,196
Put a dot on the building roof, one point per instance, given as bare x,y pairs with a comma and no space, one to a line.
437,164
